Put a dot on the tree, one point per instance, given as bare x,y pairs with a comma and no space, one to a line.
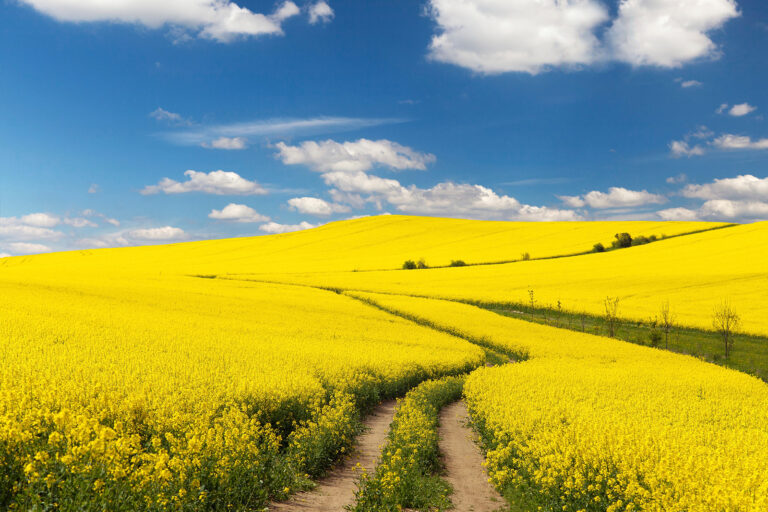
667,319
726,322
598,247
611,314
622,240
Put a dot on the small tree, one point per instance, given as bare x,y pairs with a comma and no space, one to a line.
525,256
726,322
421,264
622,240
598,247
667,319
531,300
458,263
409,265
611,315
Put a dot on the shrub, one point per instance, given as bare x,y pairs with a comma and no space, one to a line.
409,265
525,256
421,264
622,240
458,263
655,338
598,247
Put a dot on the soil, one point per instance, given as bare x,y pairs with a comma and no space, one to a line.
464,463
337,490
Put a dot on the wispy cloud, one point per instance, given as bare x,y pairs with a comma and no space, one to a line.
200,135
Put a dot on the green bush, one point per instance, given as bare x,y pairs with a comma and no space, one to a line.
457,263
598,247
409,265
421,264
622,240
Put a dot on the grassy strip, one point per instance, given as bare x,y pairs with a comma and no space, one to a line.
407,473
750,352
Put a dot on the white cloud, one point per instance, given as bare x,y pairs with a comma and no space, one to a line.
273,127
316,206
686,84
93,213
214,182
732,210
667,33
680,148
721,108
745,186
226,143
679,214
680,178
730,141
43,220
27,248
156,234
497,36
221,20
15,229
79,222
274,227
361,155
94,188
5,255
447,198
160,114
320,12
238,213
742,109
617,197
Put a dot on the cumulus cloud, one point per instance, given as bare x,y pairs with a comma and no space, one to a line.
531,36
274,227
680,178
667,33
220,20
449,199
680,148
316,206
215,182
238,213
43,220
687,84
27,248
742,109
226,143
320,12
497,36
730,141
744,186
617,197
164,233
678,214
743,198
360,155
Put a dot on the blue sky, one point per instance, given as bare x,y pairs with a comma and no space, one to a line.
152,122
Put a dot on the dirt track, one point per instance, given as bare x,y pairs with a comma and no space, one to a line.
337,490
464,463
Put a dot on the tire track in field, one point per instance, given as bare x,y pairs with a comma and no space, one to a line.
464,463
337,490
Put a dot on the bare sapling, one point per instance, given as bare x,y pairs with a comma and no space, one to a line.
611,315
726,322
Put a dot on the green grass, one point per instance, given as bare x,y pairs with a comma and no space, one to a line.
749,355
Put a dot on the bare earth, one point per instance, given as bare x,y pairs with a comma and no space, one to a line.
464,463
337,490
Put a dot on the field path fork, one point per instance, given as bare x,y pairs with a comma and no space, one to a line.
337,490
